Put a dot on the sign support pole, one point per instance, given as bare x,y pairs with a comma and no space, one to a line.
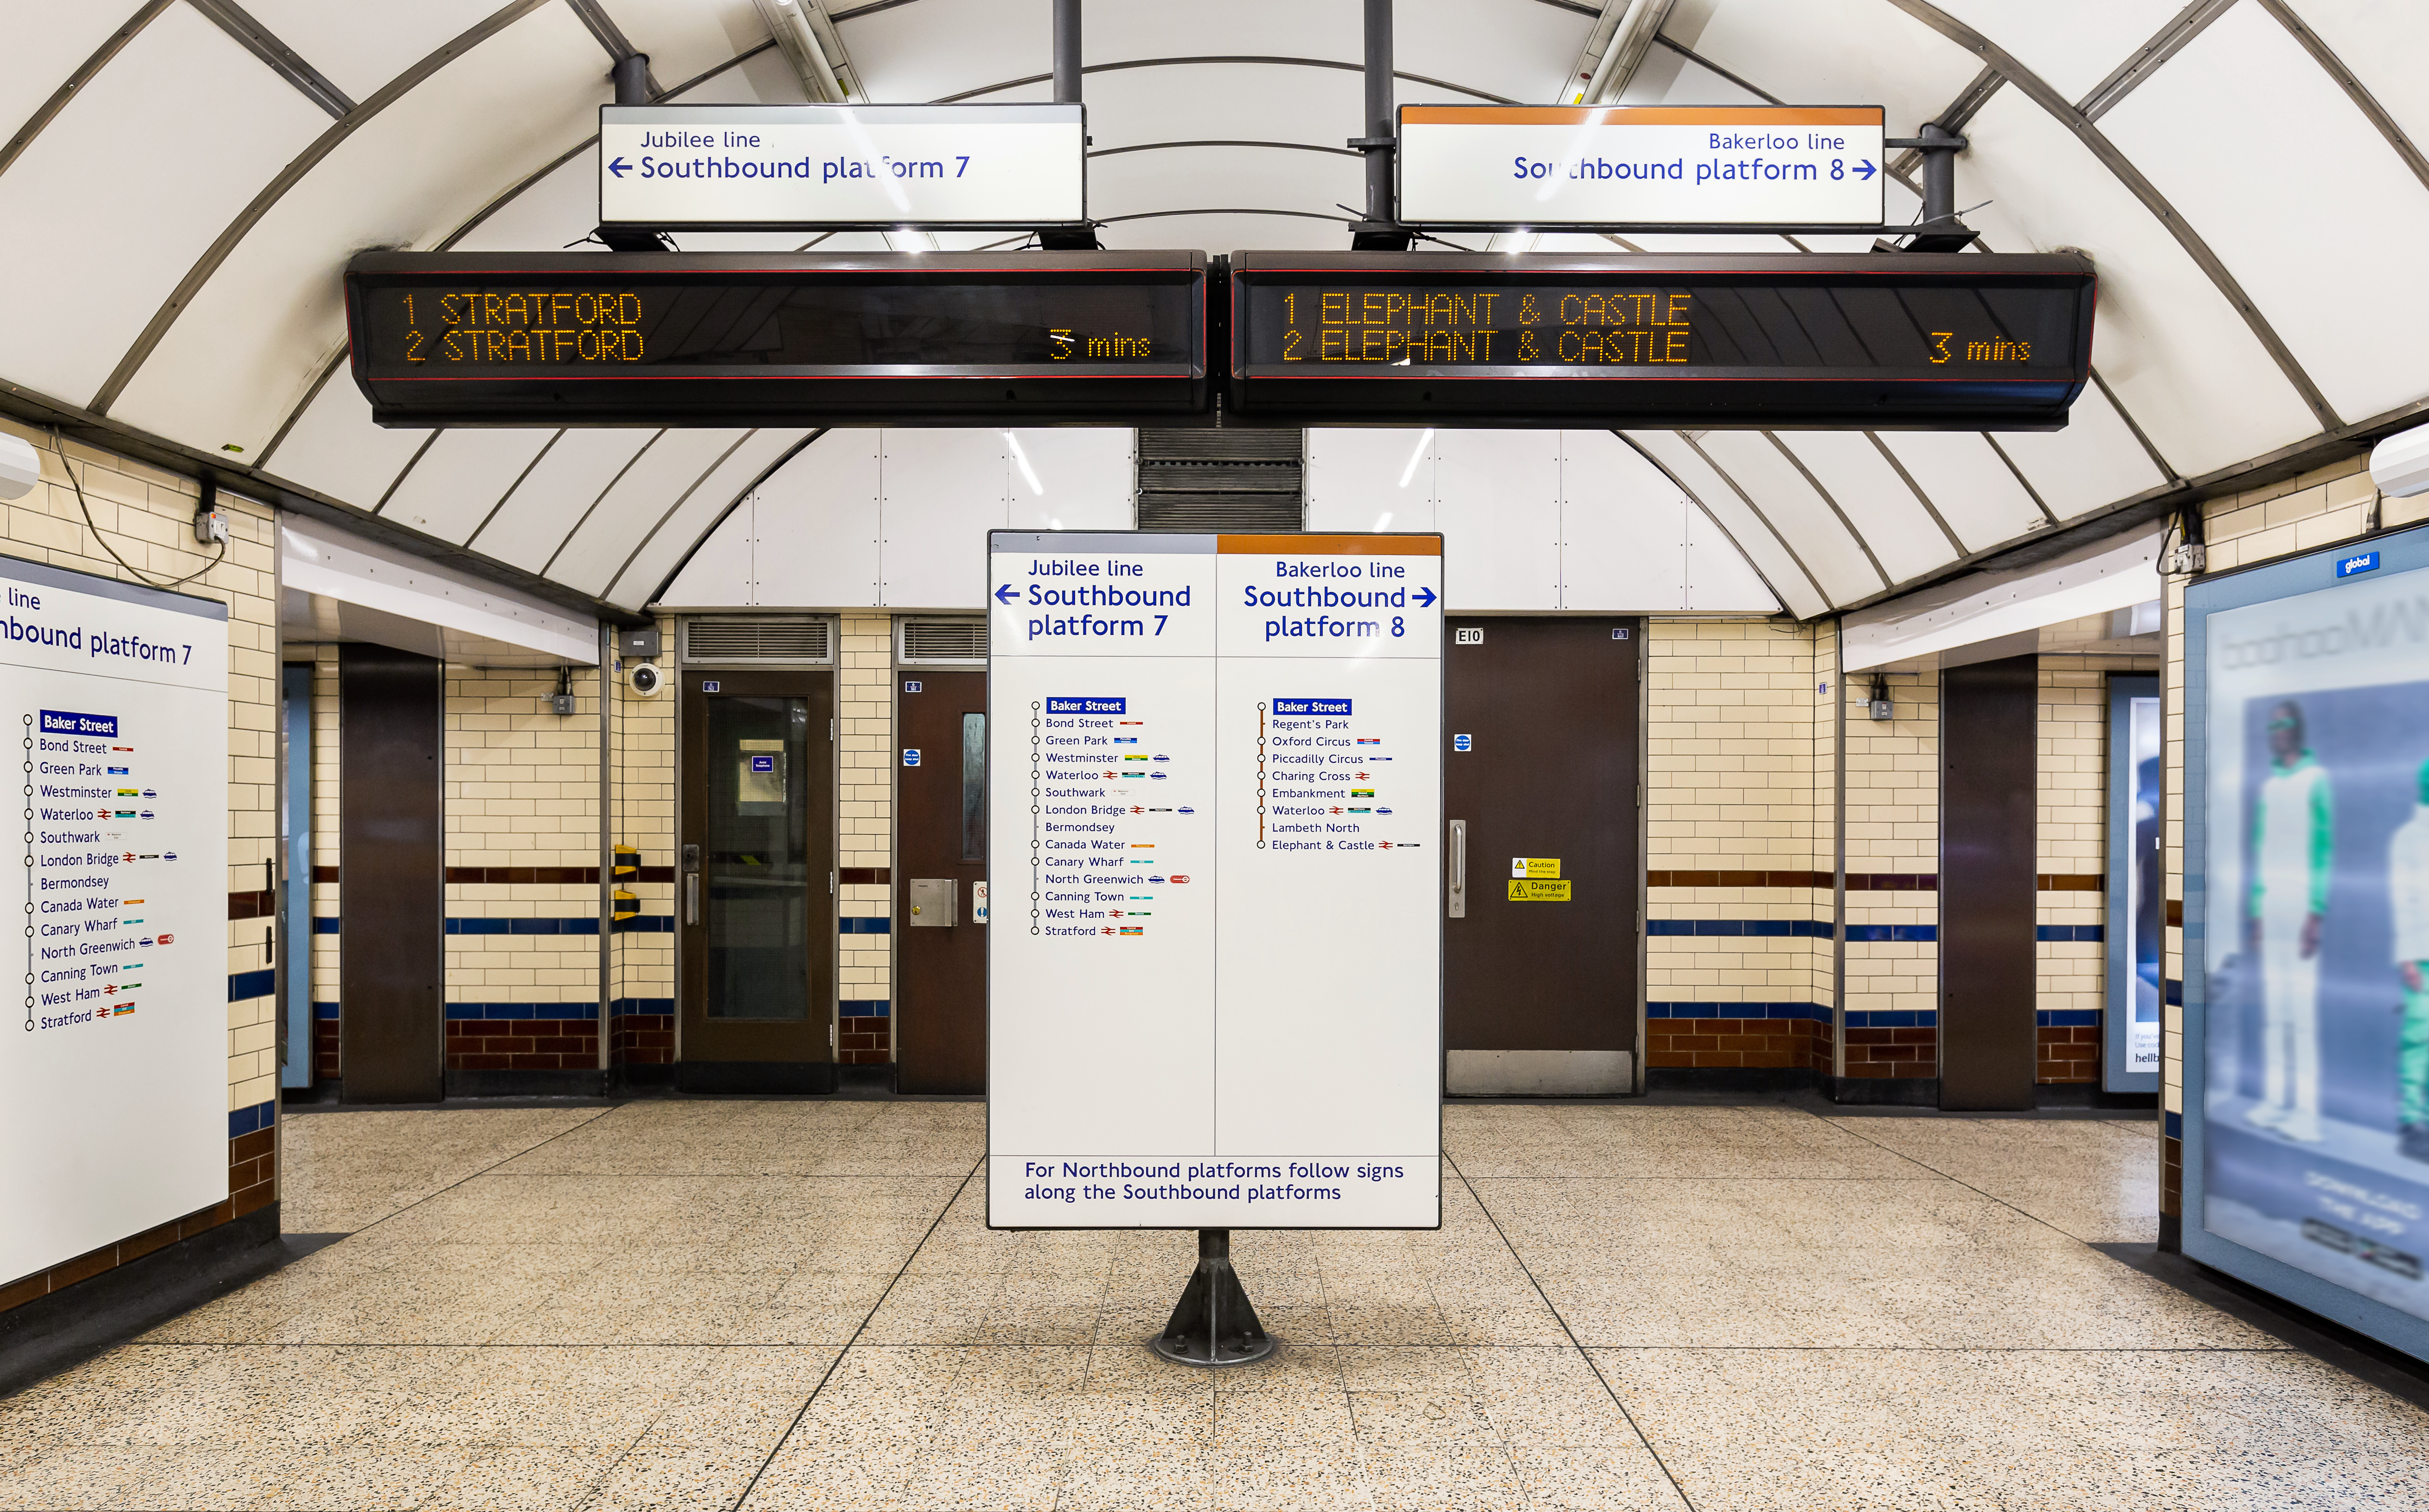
1213,1323
1381,231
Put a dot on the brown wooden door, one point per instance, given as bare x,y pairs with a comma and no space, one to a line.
754,881
1549,710
940,835
1990,779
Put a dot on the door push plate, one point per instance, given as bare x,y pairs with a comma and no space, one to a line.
931,902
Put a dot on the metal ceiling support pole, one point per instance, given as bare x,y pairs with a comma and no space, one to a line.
632,76
1067,91
1381,231
1067,52
1213,1322
1938,230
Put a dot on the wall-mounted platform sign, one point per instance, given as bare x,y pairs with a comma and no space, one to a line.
666,339
1214,998
1590,167
747,166
1918,340
113,1058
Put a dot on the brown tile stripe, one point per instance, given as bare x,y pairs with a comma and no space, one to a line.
564,875
2075,882
866,876
1857,881
259,905
2175,913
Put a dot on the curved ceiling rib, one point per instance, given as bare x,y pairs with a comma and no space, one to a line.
2362,99
1845,523
1243,58
101,56
287,178
1695,445
1954,544
2097,143
1283,146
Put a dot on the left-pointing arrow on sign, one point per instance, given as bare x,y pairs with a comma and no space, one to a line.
1006,594
618,167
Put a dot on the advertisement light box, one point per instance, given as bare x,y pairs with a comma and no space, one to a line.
2306,913
1214,811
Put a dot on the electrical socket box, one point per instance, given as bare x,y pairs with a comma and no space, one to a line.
641,643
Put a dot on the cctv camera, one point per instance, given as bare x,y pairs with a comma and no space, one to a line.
644,680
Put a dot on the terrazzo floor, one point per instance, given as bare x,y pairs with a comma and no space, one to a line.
797,1304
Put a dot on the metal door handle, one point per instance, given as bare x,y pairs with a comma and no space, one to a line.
691,897
1458,895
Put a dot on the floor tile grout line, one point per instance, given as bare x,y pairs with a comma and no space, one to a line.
1633,1425
1945,1176
475,1175
836,1363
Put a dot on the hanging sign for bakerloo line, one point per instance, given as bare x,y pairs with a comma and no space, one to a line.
1214,808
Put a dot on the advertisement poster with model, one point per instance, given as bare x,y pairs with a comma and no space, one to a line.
2137,885
2314,932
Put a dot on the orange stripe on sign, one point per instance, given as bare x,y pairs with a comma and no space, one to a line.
1328,545
1642,115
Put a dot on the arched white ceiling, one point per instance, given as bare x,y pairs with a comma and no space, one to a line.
184,179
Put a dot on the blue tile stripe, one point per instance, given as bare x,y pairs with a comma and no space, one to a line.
325,924
1790,929
2063,1018
2176,1126
1893,1018
244,984
2176,992
2071,934
642,1005
878,926
243,1121
1900,933
647,924
1764,1010
863,1008
327,1010
551,1010
582,925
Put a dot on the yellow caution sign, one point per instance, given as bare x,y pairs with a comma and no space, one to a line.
1535,890
1540,867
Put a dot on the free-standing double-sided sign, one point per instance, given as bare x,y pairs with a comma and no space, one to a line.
114,1064
1556,165
736,167
1215,806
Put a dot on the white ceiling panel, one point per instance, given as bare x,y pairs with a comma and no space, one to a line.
1719,577
2094,461
1761,545
1497,503
2342,209
1667,77
717,573
2387,48
144,201
1806,53
934,48
47,43
815,528
1143,29
2073,44
1228,232
658,479
1212,102
360,45
1975,492
1772,482
1369,480
237,360
684,38
1499,45
1188,178
1072,478
1883,509
2198,381
552,214
1623,528
656,551
457,483
334,448
537,517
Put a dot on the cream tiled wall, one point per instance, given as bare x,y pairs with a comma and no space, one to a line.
1736,779
2072,822
642,961
327,897
1894,827
522,789
865,758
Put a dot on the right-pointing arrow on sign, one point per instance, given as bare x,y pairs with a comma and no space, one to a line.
1426,598
1864,169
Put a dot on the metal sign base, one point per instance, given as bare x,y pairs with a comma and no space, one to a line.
1213,1323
